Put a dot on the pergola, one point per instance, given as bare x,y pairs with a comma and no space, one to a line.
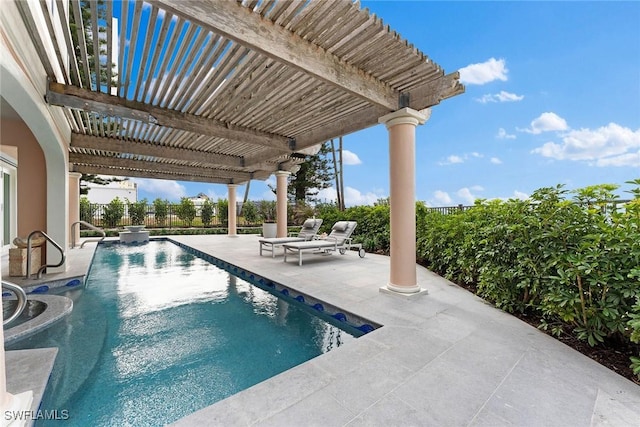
229,91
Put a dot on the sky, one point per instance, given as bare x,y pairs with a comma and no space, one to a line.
552,97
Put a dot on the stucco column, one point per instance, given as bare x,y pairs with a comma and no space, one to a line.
232,210
402,125
74,205
281,193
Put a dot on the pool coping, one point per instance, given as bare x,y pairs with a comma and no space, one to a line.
57,307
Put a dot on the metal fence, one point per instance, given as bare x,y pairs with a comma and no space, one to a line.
449,209
608,206
94,214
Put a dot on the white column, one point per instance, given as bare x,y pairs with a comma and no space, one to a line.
74,205
232,210
402,125
281,194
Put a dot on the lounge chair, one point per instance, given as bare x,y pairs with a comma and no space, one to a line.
308,231
338,240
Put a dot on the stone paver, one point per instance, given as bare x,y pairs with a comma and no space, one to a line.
445,358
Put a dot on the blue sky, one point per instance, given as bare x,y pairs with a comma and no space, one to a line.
552,97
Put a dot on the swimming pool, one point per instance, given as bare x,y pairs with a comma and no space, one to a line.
158,333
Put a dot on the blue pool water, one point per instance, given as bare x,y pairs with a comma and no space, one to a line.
158,333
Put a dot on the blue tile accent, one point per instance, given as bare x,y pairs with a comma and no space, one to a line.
74,282
40,290
293,296
340,316
6,294
366,328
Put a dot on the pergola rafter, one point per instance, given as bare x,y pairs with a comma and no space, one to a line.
235,87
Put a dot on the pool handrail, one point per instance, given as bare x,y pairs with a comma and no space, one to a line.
44,267
88,225
22,300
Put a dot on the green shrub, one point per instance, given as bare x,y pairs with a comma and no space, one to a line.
186,211
137,211
250,213
267,210
206,214
571,261
161,210
223,211
87,210
113,212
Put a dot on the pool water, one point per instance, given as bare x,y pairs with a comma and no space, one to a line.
158,333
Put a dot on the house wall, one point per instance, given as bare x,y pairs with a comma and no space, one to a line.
23,86
32,176
103,194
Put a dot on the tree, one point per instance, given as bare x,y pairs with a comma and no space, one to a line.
83,25
206,214
87,210
113,212
223,211
186,211
315,174
137,211
160,210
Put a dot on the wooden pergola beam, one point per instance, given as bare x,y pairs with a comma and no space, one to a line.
422,97
147,149
104,170
152,166
109,105
238,23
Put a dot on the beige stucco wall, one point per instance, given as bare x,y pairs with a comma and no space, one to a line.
23,86
32,176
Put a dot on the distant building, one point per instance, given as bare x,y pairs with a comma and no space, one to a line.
198,201
104,194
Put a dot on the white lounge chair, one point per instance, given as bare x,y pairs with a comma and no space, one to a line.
338,240
308,231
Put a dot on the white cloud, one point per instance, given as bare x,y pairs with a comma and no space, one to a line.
466,195
485,72
496,161
547,122
352,196
453,159
350,158
611,145
161,188
630,159
502,134
502,96
442,198
520,195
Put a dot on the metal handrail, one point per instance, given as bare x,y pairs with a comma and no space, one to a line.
44,267
88,225
22,300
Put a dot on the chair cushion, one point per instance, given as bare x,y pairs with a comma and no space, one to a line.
340,226
310,223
